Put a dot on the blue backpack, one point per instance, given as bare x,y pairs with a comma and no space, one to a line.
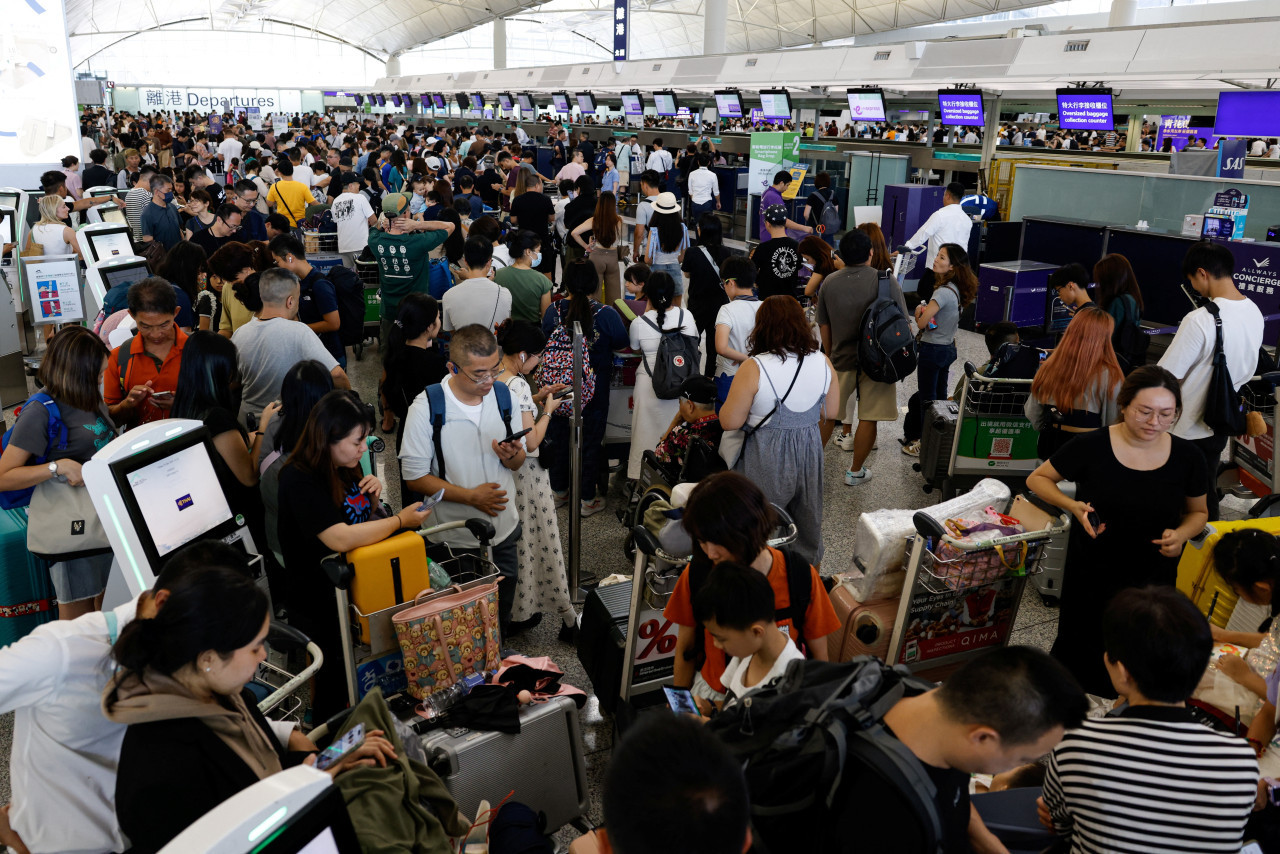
436,406
440,278
56,431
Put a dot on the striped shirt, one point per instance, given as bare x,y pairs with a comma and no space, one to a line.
1151,780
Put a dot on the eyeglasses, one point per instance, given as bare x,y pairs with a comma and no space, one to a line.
162,327
481,377
1144,414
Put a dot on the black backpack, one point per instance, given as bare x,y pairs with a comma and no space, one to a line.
350,293
1130,342
805,737
1224,410
886,347
675,361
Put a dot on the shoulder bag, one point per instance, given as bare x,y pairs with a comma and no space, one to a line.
62,523
733,441
1224,410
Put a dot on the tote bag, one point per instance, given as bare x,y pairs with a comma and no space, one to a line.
62,523
451,634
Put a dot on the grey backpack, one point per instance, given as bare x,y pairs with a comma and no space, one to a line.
829,217
675,361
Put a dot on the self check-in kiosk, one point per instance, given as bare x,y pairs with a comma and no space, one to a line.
297,811
155,490
102,276
103,241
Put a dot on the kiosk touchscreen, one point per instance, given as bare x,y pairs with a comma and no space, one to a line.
297,811
109,212
104,240
155,490
105,275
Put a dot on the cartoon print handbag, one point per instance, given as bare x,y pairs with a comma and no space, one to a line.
448,634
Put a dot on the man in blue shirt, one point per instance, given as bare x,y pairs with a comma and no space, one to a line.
253,225
318,301
159,221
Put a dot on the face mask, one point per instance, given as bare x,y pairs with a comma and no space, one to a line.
168,197
537,259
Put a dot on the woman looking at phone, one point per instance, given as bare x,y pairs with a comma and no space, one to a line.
1139,498
327,505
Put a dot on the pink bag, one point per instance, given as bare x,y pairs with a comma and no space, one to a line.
452,634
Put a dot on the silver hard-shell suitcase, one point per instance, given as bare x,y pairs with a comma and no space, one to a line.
543,764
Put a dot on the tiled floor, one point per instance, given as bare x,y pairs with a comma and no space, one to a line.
893,484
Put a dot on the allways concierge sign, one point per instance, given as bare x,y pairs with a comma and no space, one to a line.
219,100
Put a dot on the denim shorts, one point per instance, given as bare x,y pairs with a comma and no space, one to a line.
80,578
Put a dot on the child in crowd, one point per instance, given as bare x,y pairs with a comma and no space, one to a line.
734,321
737,607
633,280
696,419
418,201
1248,560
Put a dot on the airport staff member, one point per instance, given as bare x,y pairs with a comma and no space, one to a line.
948,224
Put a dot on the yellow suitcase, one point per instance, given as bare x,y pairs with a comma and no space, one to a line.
1197,577
388,573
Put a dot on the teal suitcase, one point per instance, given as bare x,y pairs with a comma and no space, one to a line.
26,591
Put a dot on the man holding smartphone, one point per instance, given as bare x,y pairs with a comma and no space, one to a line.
142,373
465,444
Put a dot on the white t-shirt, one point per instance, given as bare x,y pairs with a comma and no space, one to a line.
740,316
736,670
267,350
811,384
660,161
351,212
478,301
949,224
230,149
645,338
1190,357
304,176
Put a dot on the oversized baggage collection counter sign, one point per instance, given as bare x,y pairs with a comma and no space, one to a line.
944,624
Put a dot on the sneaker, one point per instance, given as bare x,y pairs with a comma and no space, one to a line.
845,441
592,507
857,478
912,449
561,497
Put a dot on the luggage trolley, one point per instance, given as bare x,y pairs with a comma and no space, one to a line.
368,273
993,437
370,648
961,598
1254,457
273,684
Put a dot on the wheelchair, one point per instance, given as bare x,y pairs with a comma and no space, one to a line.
656,481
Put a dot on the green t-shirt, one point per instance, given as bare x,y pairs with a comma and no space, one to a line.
527,288
404,264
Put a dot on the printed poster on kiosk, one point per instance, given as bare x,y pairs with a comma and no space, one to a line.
54,289
944,624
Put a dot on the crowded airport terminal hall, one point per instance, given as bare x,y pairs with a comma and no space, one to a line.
640,427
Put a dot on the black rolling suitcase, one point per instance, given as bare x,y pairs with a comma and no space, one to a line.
602,634
936,438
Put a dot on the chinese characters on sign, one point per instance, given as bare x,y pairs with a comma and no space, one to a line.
621,29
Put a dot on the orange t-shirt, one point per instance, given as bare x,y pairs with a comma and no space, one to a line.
142,367
820,618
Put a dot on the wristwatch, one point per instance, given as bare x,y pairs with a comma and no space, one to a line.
53,469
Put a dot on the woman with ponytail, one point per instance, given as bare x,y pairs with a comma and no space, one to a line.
543,585
603,333
653,416
1249,561
195,736
413,359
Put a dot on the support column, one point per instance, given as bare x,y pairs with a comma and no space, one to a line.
1133,140
499,43
1124,13
990,137
713,26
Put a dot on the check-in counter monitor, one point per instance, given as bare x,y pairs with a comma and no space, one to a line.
155,490
105,275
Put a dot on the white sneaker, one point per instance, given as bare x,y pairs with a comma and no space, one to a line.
845,441
912,449
560,498
592,507
857,478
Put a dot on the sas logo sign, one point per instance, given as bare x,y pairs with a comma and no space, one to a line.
184,502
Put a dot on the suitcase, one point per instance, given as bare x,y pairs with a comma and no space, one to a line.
1198,580
1052,562
938,433
602,636
865,628
26,591
543,764
388,573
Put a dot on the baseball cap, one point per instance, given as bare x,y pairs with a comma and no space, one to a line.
775,214
395,203
699,389
255,145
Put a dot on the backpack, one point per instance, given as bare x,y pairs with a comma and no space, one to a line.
1129,341
55,431
799,596
440,277
886,345
349,290
557,362
803,738
1224,411
437,408
675,361
829,217
600,156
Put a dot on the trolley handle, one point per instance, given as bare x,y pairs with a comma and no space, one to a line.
1042,534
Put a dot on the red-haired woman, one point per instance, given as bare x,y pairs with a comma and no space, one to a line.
1075,389
779,397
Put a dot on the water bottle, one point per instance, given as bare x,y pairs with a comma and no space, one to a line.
438,703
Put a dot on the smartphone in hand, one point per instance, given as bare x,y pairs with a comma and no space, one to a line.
340,748
680,700
515,437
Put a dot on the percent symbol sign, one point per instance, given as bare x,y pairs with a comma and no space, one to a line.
658,637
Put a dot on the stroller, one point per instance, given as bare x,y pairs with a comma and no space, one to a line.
657,479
